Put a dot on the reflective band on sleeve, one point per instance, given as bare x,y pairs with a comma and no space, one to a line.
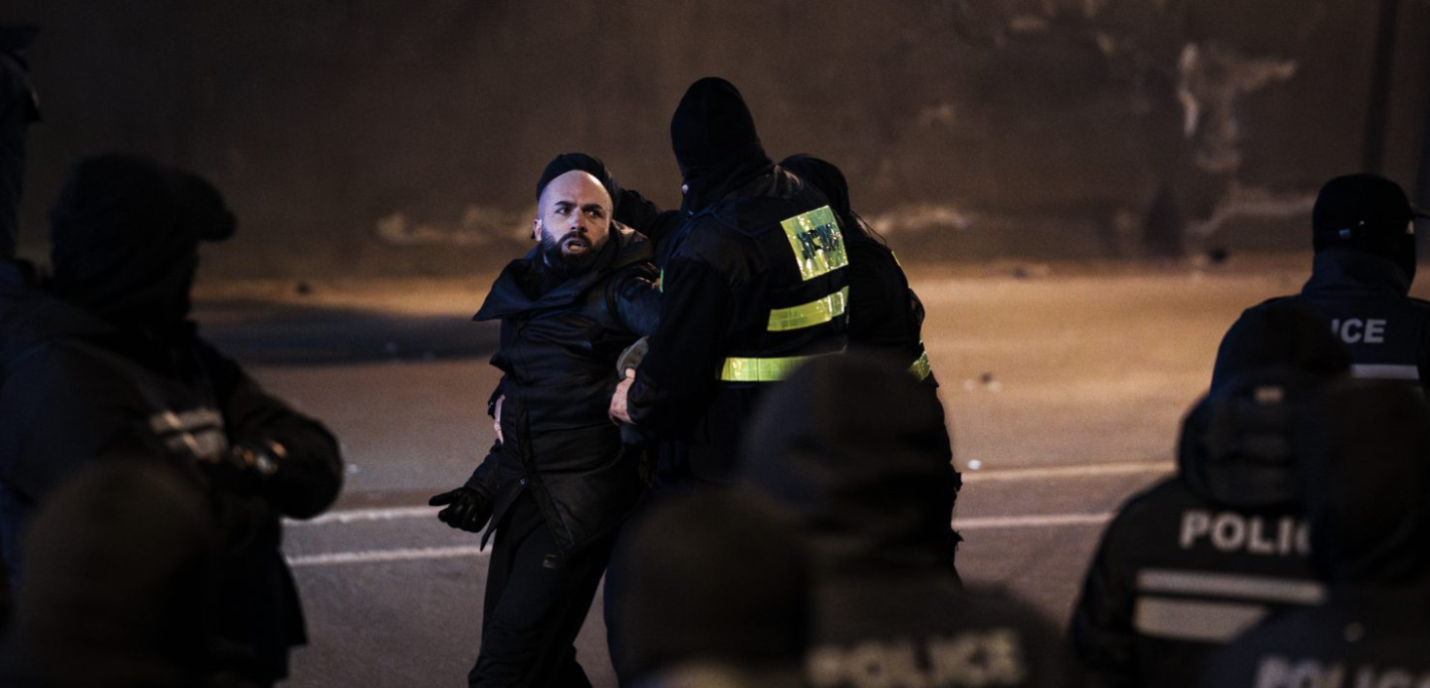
817,242
660,282
1202,621
921,368
1385,372
762,369
810,314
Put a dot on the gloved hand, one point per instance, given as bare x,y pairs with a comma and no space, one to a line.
245,466
467,509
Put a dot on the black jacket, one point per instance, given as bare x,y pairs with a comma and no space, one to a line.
871,490
1364,299
731,268
558,354
1190,563
76,387
1370,541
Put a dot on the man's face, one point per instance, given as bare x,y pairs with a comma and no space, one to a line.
574,218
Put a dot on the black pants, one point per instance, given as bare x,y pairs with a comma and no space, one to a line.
536,602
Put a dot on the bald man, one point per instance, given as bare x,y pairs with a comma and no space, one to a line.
558,481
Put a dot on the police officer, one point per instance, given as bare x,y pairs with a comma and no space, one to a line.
755,286
850,450
1363,234
732,611
559,481
1363,448
1190,563
103,358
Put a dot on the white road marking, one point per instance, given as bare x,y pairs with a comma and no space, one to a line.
409,554
381,555
1095,470
1007,475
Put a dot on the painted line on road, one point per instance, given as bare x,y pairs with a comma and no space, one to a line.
347,516
382,555
424,553
1095,470
1047,521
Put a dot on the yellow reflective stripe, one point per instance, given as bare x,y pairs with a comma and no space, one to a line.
815,312
660,282
921,368
817,242
762,369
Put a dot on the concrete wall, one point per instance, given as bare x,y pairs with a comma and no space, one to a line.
369,135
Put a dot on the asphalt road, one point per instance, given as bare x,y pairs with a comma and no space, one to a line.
1064,392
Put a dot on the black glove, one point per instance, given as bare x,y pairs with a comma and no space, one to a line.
467,509
244,467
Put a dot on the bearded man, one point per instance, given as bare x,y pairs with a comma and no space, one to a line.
559,481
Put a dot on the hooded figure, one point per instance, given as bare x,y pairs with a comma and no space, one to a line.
754,286
1195,560
147,621
870,489
1363,445
1364,236
718,587
103,361
559,481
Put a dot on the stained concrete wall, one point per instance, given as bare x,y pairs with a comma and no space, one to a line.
369,135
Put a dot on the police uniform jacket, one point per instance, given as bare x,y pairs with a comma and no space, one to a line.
76,386
1191,563
755,285
1370,542
1365,299
558,354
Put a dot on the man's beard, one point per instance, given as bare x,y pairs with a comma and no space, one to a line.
567,265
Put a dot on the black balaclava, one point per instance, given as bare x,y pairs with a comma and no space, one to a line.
1279,334
856,452
1366,213
825,176
124,239
709,577
1364,446
1237,444
590,164
715,143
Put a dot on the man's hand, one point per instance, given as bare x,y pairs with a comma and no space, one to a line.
467,509
619,412
496,419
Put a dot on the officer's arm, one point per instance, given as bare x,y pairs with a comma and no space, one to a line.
644,216
677,376
1101,634
307,467
637,299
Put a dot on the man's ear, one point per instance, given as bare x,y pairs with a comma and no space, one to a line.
536,229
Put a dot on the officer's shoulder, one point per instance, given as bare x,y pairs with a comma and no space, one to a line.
1418,302
1141,511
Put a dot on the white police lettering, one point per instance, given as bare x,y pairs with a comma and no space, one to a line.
1229,531
975,658
1357,331
1282,672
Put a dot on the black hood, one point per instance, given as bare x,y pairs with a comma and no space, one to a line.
1279,333
124,239
1365,448
514,290
1236,445
709,577
715,143
856,452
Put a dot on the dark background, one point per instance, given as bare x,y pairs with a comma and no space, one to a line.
386,137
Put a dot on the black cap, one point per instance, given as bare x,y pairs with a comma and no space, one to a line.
1357,207
571,162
